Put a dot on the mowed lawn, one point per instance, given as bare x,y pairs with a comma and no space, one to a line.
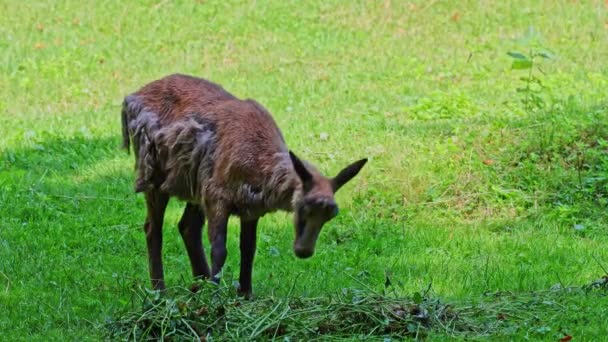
471,186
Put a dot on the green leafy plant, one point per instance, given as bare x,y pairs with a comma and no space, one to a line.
532,87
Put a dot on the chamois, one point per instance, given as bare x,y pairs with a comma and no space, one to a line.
224,156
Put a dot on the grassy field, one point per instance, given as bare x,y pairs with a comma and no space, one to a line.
472,186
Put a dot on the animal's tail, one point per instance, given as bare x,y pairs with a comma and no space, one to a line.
126,139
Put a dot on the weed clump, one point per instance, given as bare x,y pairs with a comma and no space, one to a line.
217,313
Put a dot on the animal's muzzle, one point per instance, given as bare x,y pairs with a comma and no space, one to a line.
303,253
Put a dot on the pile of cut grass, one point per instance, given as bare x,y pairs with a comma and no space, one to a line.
217,313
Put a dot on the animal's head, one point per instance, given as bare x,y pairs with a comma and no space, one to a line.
316,205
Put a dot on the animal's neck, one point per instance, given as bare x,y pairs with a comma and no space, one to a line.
284,185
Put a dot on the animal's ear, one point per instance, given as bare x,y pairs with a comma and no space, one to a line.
302,172
347,174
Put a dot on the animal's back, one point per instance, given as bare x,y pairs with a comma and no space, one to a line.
176,95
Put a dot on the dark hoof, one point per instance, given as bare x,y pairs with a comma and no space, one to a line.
194,288
245,294
158,285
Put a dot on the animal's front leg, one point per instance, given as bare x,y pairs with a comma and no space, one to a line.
190,227
248,244
218,228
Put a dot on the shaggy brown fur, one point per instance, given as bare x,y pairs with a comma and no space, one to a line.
224,156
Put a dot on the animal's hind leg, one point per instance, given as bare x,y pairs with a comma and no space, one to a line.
156,203
190,227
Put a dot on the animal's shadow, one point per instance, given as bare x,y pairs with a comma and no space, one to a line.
59,169
76,193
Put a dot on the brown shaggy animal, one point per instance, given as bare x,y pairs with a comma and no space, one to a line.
224,156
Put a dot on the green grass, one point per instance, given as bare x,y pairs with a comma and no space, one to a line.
466,189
